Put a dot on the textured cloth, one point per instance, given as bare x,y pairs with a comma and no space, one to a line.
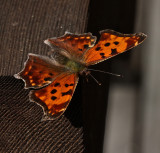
22,129
23,27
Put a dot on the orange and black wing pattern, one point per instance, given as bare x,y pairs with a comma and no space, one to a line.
74,44
55,97
110,44
38,71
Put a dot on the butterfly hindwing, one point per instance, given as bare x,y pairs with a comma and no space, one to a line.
74,44
110,44
39,71
55,97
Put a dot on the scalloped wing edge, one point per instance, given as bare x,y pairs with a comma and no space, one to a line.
143,37
46,115
17,76
66,33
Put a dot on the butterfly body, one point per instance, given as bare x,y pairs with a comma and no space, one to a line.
63,59
75,67
56,77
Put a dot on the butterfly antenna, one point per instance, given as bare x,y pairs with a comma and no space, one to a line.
95,79
118,75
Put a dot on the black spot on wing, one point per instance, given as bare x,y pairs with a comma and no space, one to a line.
66,85
53,91
48,79
106,44
102,54
98,48
69,92
116,42
53,98
114,51
51,74
57,84
86,46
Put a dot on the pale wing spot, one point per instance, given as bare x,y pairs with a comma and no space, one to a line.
113,36
68,37
30,77
25,73
82,37
136,43
42,97
29,68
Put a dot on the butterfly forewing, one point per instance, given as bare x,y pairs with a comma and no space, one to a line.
74,44
110,44
39,71
55,97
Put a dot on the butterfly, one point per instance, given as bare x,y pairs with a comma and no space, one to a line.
55,77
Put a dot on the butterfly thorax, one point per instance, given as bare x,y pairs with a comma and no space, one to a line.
71,64
75,66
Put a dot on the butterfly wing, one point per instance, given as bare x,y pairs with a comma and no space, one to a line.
110,44
39,71
74,44
55,98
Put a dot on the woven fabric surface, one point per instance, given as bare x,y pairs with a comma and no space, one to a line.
22,129
24,26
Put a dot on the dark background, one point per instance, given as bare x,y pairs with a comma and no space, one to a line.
130,124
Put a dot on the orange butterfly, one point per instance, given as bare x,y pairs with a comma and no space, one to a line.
55,78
